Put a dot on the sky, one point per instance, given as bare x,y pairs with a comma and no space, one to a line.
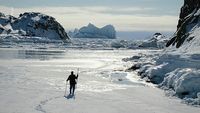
125,15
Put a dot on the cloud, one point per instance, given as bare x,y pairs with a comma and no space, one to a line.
123,18
118,10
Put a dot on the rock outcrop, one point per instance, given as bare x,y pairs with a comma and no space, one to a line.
189,20
6,19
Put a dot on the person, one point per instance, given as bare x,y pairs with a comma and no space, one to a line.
72,80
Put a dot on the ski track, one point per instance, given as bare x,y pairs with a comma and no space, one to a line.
40,106
42,103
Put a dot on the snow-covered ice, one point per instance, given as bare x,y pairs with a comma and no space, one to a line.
33,81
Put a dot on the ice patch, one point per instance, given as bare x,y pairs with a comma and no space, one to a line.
96,86
128,79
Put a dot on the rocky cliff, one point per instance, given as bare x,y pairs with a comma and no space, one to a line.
189,21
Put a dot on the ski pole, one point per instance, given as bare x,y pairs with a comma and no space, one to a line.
77,74
65,89
77,71
77,78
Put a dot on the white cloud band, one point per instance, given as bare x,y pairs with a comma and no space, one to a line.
124,19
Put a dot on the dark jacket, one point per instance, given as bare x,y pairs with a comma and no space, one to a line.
72,79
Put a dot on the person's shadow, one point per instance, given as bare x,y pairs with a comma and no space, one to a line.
69,96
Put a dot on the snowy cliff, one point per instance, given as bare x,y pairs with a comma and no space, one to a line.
91,31
29,25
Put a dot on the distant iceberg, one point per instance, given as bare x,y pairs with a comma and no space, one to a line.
91,31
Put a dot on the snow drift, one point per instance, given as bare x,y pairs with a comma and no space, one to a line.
184,81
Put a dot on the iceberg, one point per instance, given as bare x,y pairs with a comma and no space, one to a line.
91,31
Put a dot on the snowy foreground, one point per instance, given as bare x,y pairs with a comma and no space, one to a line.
33,81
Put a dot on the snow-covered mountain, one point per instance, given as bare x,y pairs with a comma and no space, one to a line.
31,25
157,41
91,31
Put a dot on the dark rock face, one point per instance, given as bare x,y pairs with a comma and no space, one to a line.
189,17
1,29
4,20
134,67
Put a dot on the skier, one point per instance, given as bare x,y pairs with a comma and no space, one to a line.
72,80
